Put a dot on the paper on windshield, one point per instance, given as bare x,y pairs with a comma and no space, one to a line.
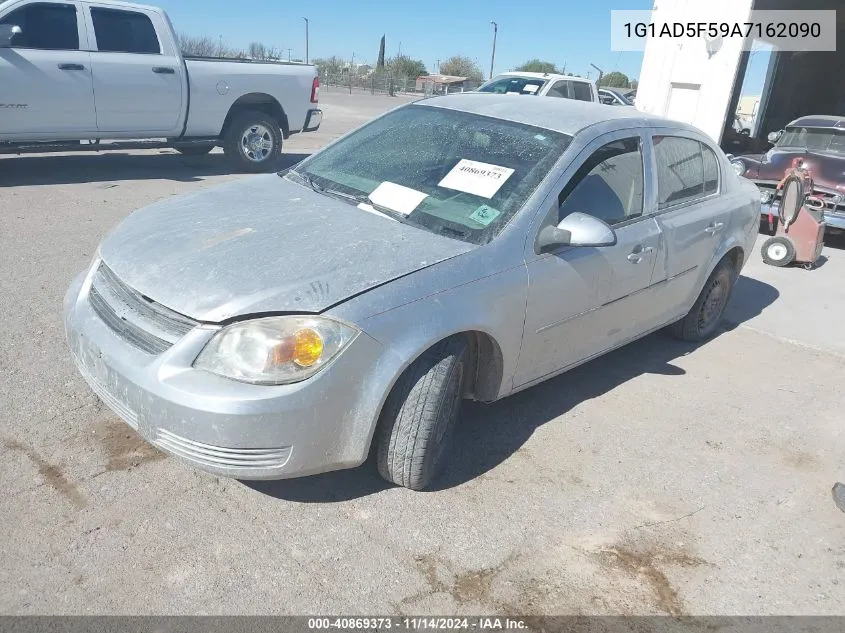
480,179
401,199
531,88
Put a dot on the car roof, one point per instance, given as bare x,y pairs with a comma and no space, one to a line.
818,120
547,76
561,115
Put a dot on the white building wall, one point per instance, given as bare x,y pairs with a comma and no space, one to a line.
680,79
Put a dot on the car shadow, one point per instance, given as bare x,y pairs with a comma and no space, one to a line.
56,169
487,435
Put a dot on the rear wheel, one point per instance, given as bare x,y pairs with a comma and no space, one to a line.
415,427
702,321
778,251
253,141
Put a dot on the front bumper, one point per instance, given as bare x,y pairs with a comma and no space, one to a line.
313,120
223,426
831,220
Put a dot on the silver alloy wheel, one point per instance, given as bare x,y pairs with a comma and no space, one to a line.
777,251
257,143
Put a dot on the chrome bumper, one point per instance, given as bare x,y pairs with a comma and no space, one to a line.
831,220
223,426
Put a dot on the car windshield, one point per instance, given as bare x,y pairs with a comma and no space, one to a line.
453,173
814,139
514,85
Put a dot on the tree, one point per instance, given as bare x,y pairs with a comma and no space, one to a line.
331,66
615,79
380,62
404,66
537,66
204,46
460,66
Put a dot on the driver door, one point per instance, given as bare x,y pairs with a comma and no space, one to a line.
46,87
585,300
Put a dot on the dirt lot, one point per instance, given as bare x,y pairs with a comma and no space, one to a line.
663,478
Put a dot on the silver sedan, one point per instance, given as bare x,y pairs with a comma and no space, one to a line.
463,247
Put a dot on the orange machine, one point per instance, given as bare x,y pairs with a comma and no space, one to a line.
799,225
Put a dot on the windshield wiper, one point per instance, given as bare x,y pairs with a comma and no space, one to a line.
355,199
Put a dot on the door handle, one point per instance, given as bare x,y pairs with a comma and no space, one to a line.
714,228
636,255
635,258
71,67
164,70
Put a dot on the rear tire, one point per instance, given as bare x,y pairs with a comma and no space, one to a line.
703,319
194,150
415,427
778,251
253,141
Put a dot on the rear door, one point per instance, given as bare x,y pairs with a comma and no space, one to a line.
138,76
45,76
688,181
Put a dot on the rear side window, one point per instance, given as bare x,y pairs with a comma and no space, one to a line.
582,91
562,89
609,185
124,32
46,26
686,170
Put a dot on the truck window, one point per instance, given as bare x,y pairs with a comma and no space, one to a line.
124,32
561,89
45,25
582,91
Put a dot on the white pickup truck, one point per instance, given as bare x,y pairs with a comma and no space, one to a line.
75,73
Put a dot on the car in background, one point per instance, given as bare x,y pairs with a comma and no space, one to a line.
817,141
615,96
736,138
542,85
113,72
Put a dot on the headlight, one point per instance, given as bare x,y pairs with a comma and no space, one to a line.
766,197
275,350
739,167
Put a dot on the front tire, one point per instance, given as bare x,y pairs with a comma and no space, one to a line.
415,427
253,141
703,319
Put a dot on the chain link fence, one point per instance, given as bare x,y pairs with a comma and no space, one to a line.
386,84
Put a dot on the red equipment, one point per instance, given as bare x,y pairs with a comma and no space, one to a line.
799,226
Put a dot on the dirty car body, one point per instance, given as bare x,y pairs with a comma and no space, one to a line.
377,249
819,143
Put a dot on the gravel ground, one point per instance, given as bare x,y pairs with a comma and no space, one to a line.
664,478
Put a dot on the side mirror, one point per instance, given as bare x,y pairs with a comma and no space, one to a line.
7,33
576,229
774,137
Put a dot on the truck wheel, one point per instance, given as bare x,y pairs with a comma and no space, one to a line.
253,140
416,424
194,150
703,319
778,251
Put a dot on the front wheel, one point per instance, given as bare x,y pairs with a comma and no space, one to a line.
415,427
778,251
703,319
253,141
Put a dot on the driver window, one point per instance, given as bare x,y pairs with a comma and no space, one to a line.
609,185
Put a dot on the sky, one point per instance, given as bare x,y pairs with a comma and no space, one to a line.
571,32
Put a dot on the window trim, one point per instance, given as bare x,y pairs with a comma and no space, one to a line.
81,35
691,201
94,44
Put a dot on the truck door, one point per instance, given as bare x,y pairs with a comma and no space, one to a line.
45,73
138,74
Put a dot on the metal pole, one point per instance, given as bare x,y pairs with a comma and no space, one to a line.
351,66
493,56
601,73
288,55
306,39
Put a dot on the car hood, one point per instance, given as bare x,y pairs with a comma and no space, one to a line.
264,244
828,170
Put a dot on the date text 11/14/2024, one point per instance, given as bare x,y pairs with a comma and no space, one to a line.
485,623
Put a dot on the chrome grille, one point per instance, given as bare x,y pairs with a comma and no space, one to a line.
829,206
140,321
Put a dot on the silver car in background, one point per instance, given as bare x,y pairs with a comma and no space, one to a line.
462,247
